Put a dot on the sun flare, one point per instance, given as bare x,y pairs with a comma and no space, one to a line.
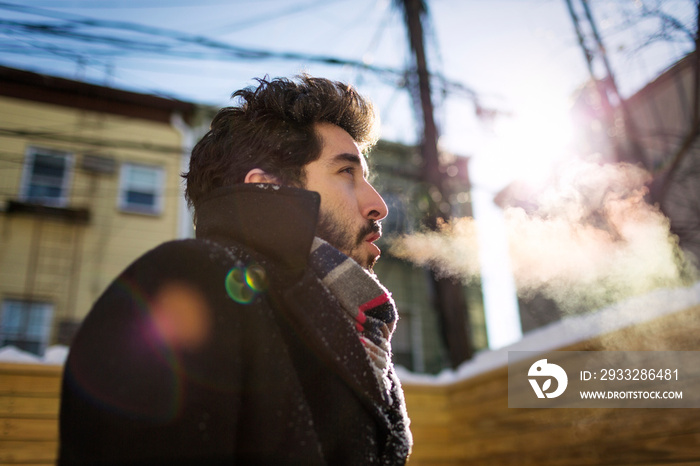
526,144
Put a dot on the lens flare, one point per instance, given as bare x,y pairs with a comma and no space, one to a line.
243,284
256,279
181,316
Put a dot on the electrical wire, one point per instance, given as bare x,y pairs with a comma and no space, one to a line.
267,17
204,47
198,40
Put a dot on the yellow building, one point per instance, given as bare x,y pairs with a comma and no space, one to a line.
89,180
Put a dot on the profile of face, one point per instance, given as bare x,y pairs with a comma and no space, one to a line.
350,206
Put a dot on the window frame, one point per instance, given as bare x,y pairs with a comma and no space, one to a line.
158,192
28,175
24,336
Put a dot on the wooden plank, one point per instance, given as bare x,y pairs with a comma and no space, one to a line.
532,432
437,457
427,402
14,452
24,406
663,448
439,434
642,438
415,461
424,416
29,384
586,425
492,388
49,370
434,451
681,451
553,457
430,419
28,429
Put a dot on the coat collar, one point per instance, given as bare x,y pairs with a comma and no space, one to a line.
277,221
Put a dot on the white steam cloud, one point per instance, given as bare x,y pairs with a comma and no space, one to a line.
592,240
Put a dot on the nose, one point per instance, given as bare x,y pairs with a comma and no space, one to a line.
372,205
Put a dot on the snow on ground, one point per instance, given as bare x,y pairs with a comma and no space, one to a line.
54,355
567,332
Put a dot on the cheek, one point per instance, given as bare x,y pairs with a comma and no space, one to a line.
338,195
346,195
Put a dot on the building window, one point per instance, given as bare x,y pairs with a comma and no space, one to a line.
141,189
25,325
46,177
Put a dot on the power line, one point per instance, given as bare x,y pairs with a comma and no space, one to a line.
223,50
265,18
229,49
144,4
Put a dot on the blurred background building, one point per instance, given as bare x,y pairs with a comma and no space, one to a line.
421,343
90,180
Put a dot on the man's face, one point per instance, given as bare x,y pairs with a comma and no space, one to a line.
350,207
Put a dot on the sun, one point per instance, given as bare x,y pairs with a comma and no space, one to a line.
526,143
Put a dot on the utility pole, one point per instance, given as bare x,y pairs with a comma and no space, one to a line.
414,9
606,87
588,55
448,295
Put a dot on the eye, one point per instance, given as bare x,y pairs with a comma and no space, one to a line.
348,170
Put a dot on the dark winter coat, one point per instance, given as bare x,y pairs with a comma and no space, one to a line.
186,359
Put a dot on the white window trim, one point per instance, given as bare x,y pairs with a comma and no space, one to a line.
159,192
43,339
30,153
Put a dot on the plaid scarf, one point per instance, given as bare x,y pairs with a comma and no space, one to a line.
368,305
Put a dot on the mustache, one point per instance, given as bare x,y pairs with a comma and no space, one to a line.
372,227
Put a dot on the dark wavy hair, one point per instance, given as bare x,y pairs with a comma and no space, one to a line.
272,128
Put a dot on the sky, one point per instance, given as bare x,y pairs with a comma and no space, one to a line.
518,58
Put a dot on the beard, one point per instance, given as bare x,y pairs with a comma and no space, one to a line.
340,234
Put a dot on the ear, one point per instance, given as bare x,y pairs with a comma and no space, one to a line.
256,175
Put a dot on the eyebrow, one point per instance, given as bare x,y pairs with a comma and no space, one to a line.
353,159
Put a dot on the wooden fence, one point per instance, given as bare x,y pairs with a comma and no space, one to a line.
469,422
465,422
29,399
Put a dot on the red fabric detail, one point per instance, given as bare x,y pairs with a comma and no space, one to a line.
379,300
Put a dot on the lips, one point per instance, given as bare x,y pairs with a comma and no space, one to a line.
373,237
373,249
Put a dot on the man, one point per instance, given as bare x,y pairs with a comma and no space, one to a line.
266,339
